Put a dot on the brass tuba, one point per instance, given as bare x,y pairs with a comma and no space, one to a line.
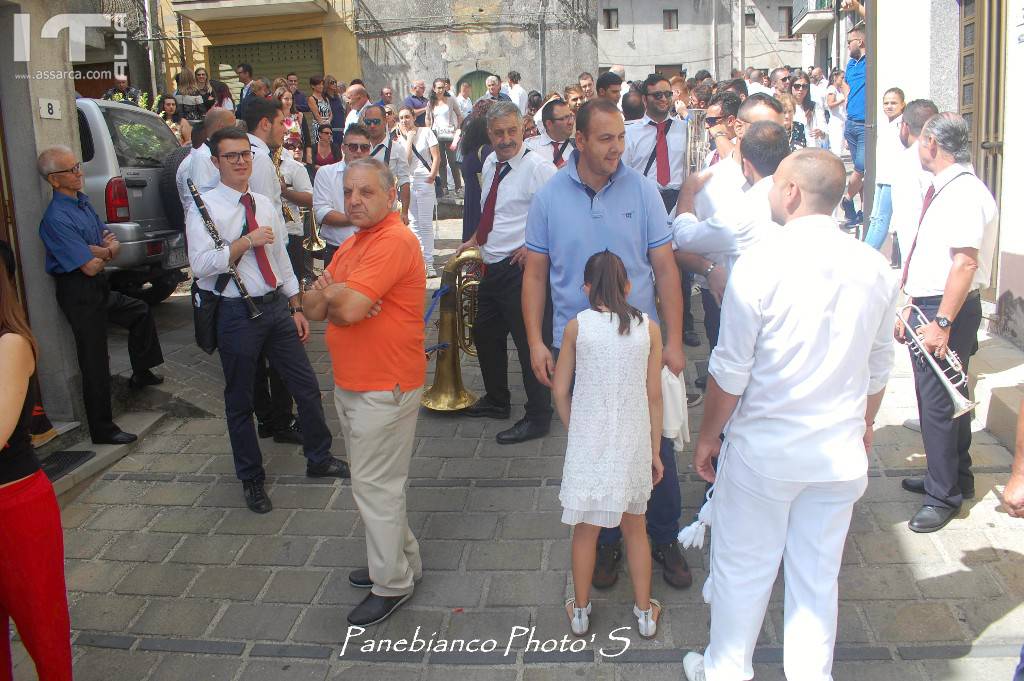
696,141
461,277
313,243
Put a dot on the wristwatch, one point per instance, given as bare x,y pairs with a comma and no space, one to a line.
710,268
293,310
943,322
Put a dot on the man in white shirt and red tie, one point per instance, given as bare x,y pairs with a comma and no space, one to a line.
949,262
796,380
555,143
510,178
254,237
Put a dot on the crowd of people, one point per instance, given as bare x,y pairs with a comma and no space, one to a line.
591,225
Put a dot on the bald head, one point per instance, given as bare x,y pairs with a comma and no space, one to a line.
807,182
356,95
217,119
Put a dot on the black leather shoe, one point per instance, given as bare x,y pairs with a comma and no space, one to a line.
932,518
484,408
606,569
375,609
916,485
521,432
264,431
360,578
676,571
291,435
141,379
691,338
118,437
701,382
256,497
332,468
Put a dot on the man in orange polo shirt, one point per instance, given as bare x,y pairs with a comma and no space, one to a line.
372,297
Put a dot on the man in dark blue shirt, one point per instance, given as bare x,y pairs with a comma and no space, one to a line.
78,248
856,80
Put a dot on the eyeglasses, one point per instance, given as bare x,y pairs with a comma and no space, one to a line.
799,86
75,169
237,156
354,147
566,117
372,121
660,94
784,79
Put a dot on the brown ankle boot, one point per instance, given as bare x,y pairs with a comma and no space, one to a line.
676,571
606,570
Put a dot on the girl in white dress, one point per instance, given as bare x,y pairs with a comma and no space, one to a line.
835,98
420,147
613,414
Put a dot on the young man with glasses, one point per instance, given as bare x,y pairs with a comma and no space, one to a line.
252,229
329,192
555,143
780,80
78,249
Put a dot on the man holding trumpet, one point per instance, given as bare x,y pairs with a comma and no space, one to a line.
948,264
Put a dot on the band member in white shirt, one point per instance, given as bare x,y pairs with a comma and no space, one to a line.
197,166
329,192
656,146
510,178
254,239
555,143
383,149
296,179
910,181
796,380
949,262
714,244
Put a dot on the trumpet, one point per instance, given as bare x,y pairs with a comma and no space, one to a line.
276,158
697,146
949,370
312,243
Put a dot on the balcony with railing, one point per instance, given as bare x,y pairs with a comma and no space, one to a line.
203,10
812,16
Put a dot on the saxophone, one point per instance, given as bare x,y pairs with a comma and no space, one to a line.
276,158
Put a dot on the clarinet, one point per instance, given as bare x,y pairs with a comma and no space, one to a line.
211,229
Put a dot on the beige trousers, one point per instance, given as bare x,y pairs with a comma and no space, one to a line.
379,427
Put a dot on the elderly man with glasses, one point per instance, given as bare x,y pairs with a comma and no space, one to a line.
78,249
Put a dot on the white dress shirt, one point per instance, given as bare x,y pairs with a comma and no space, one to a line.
814,120
208,262
731,231
297,178
818,93
888,149
640,142
754,88
909,183
197,167
353,116
465,105
386,152
328,195
528,174
804,343
962,214
725,188
541,145
520,97
264,174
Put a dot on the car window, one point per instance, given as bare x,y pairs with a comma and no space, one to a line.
140,140
85,136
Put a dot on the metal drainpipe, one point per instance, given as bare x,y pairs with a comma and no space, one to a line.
714,38
870,110
150,45
541,44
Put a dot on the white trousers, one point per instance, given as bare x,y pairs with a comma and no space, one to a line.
422,199
757,523
379,428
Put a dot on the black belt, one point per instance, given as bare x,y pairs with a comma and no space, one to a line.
259,300
928,300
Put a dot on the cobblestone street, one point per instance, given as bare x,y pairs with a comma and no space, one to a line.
170,577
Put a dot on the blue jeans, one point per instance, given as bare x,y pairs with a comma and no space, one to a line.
854,134
1019,675
881,214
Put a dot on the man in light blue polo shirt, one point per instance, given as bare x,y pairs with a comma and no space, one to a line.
593,203
856,80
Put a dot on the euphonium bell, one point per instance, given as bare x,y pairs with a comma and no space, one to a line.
461,277
313,243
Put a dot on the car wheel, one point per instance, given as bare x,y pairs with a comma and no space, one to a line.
158,290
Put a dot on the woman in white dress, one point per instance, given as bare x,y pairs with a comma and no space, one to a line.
612,409
836,100
445,118
809,112
420,145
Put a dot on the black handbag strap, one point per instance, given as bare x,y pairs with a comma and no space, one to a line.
420,157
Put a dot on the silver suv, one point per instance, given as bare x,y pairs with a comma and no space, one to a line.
123,150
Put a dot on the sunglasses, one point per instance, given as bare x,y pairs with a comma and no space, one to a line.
372,121
76,169
799,86
712,121
354,147
660,94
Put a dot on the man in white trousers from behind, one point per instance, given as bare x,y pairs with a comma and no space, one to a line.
795,382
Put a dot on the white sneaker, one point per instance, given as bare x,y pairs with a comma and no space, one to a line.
913,424
579,622
431,272
693,667
647,622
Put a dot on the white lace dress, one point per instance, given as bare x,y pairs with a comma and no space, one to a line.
607,469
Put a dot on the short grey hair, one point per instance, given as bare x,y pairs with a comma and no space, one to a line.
492,79
384,174
951,132
47,161
502,109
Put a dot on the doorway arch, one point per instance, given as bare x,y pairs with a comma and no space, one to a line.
477,81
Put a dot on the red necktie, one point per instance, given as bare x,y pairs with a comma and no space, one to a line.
661,153
924,209
559,161
486,223
260,252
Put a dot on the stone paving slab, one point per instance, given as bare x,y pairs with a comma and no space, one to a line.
170,577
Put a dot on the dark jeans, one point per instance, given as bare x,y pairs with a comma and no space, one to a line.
272,403
1019,674
669,198
500,313
665,506
241,343
712,317
299,258
328,254
447,157
88,303
947,442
